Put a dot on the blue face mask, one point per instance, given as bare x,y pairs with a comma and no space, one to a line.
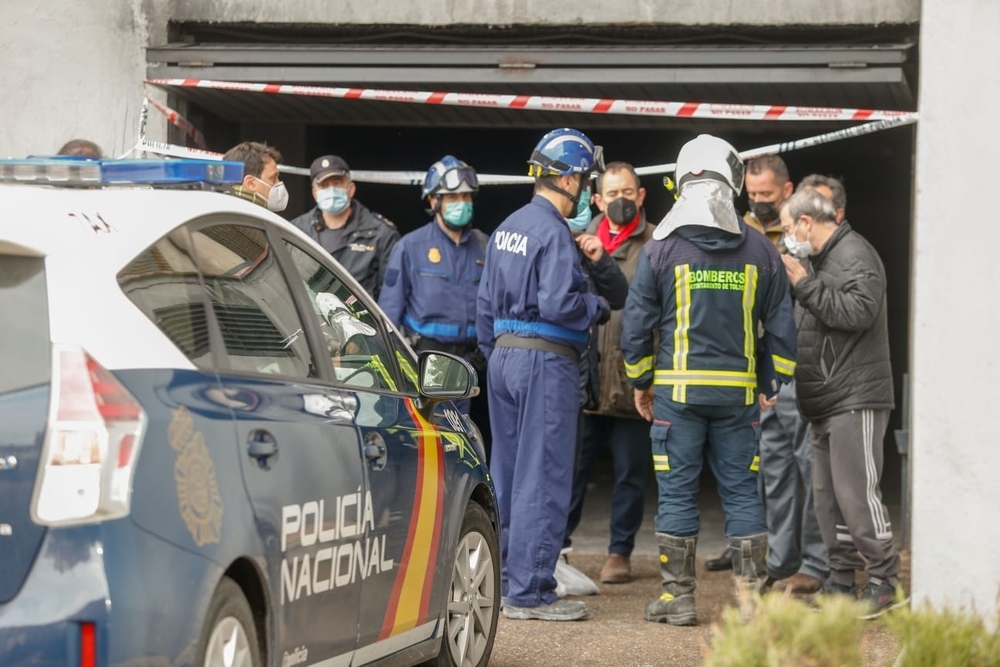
457,213
333,200
579,223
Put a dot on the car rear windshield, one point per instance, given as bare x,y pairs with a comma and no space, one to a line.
24,325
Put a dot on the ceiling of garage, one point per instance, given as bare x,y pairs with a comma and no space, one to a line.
866,76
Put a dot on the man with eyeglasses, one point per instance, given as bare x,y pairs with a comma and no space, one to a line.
353,234
430,285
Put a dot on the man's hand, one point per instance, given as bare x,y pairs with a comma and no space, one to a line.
644,403
794,269
766,402
591,246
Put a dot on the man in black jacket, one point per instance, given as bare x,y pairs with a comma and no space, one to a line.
355,236
844,390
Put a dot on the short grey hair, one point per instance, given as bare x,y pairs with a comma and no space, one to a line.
811,203
836,187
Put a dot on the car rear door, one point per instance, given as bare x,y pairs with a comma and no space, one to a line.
25,358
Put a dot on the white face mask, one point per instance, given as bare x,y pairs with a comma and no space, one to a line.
796,248
277,196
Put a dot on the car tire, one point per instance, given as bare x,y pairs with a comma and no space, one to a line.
474,595
229,636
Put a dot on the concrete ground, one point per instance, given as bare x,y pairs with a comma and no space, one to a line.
615,632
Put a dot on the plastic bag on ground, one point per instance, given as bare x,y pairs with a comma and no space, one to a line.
570,581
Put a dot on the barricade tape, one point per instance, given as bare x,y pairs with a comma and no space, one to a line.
182,123
807,142
417,177
548,103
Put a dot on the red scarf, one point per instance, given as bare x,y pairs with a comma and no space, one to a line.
612,243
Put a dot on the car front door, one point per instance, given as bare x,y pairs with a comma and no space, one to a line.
301,445
404,465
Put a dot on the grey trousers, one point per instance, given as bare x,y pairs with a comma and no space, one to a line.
794,541
847,468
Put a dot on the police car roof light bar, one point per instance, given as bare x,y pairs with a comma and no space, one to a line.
60,171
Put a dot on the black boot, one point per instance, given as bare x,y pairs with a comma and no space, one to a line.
750,559
723,562
676,605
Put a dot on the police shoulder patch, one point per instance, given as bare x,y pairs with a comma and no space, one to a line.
384,219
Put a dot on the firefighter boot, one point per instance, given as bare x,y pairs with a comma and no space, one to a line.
676,605
750,559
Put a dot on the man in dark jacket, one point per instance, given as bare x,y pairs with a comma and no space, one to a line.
844,390
610,417
355,236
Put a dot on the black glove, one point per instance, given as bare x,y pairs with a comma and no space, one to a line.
478,360
603,310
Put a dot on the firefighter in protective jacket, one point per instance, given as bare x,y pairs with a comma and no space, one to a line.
720,301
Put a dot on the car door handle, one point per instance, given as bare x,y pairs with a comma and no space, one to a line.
375,451
261,446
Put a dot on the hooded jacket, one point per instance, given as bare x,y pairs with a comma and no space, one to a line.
843,330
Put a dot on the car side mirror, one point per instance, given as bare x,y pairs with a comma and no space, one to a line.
446,377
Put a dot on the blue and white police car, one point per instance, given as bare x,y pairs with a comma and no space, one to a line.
215,450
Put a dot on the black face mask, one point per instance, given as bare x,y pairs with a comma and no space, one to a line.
765,211
622,211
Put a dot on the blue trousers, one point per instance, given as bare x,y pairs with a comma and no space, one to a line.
534,405
628,440
683,437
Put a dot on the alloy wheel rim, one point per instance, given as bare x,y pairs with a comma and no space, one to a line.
228,645
470,606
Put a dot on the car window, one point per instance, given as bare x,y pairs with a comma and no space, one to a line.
358,350
252,303
406,364
163,283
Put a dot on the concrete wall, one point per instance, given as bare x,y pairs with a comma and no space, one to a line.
507,12
956,319
71,69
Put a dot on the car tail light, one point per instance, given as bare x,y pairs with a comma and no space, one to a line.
91,444
88,645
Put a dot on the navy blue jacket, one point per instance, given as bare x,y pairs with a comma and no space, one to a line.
431,284
722,305
533,285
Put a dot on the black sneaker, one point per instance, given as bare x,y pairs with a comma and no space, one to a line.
723,562
879,596
831,587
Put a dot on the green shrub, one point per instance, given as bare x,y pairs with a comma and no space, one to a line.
946,638
777,631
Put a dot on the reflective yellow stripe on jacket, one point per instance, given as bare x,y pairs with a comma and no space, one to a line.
782,365
639,368
684,379
682,293
749,331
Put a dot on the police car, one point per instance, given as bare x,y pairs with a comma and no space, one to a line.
215,449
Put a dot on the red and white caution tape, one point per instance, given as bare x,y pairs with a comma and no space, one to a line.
547,103
807,142
417,177
182,123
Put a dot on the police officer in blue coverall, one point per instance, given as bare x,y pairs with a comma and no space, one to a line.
433,275
726,342
533,317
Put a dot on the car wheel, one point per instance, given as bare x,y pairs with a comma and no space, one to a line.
229,637
474,596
